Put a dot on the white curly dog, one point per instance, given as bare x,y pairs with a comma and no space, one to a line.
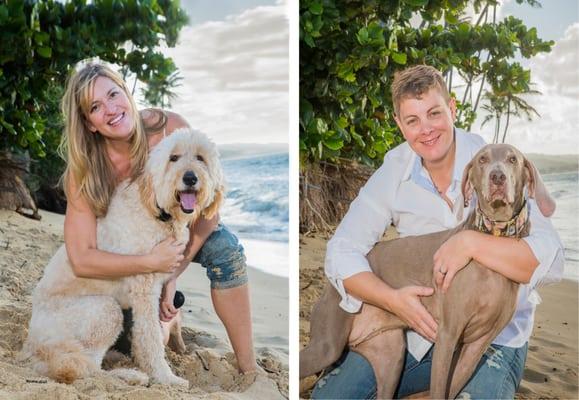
76,320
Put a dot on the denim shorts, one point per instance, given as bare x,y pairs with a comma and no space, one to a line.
223,258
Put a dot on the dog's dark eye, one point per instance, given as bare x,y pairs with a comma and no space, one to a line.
513,159
200,158
174,157
482,160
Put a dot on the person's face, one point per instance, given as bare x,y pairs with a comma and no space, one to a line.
427,125
109,111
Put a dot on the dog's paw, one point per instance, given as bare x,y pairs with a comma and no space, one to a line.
172,380
130,376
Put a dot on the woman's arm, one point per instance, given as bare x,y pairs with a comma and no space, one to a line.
198,234
89,262
347,267
527,260
509,257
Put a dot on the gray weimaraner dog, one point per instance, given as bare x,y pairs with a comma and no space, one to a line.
474,310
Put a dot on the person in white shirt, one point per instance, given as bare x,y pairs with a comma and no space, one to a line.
417,189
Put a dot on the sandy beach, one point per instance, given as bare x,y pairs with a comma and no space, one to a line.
552,360
25,248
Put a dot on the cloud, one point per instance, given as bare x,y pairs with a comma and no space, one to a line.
235,85
555,75
558,70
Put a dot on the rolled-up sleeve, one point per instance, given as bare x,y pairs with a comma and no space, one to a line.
547,248
362,226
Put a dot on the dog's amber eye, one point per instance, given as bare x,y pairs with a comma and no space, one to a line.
513,159
174,157
482,160
200,158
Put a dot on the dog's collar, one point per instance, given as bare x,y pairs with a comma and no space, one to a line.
163,216
512,227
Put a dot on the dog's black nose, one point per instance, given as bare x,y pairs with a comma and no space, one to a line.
189,178
498,177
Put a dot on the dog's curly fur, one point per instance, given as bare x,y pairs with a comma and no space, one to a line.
75,320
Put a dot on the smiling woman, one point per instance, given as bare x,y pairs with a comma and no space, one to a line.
418,189
107,140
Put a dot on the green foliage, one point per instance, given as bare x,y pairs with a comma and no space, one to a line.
350,50
42,40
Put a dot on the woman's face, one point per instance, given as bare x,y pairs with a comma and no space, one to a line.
427,125
109,111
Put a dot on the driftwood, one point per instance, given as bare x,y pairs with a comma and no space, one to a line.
14,195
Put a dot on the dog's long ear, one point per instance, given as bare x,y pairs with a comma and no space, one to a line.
537,189
145,182
213,208
466,184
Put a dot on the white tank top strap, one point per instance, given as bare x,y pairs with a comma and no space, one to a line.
165,131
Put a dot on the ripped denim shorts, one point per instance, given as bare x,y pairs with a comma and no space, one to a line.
223,258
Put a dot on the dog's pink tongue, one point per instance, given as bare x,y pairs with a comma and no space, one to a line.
188,200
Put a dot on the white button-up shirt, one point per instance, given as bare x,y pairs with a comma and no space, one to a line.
401,193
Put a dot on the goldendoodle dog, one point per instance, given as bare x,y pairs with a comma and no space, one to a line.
75,320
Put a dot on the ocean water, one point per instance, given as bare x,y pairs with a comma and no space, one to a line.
564,187
256,208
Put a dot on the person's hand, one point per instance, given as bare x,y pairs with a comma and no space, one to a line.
167,255
167,310
451,257
407,306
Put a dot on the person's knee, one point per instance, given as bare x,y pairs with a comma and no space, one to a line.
352,378
498,374
224,259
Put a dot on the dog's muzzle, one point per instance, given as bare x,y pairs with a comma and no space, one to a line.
188,197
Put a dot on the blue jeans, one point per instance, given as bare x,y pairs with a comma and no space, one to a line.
497,376
223,258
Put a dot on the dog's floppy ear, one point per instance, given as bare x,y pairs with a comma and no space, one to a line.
537,189
466,184
145,182
213,208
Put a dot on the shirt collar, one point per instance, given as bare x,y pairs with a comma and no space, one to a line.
418,175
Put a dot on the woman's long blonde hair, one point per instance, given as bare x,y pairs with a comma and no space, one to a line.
87,162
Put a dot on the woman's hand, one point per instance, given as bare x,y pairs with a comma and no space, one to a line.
405,303
166,309
166,256
451,257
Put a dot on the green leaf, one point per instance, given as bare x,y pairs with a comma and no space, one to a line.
416,3
399,58
316,8
306,112
357,138
362,36
41,37
451,18
45,52
321,126
334,144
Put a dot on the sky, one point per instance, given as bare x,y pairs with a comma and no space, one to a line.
556,76
234,59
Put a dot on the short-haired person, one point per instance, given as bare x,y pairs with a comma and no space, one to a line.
107,140
418,189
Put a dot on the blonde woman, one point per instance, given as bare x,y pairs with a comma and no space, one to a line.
106,140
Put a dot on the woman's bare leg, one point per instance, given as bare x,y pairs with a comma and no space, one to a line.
233,308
